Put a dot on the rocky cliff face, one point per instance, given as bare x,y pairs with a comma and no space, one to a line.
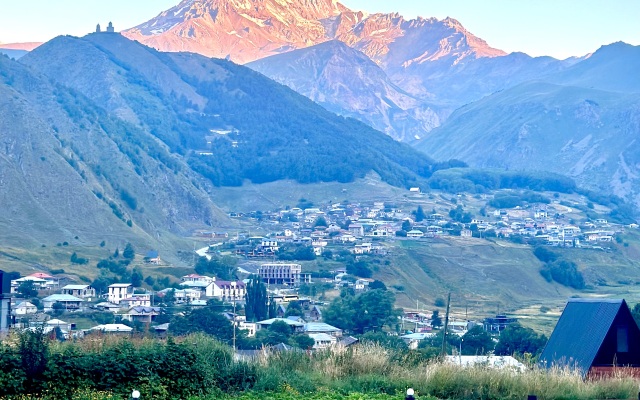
347,82
244,31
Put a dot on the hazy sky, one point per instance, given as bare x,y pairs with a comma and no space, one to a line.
560,28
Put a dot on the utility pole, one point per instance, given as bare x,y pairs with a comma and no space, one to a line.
443,352
234,326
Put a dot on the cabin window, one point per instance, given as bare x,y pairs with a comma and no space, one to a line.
623,340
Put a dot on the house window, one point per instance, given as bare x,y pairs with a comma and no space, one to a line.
623,340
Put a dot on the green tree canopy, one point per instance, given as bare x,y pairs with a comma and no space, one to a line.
221,267
477,342
368,311
27,289
516,339
206,320
294,308
257,301
129,252
436,320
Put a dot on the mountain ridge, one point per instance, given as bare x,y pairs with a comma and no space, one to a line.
583,124
245,31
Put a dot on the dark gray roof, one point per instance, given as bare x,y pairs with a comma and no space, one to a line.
582,328
348,341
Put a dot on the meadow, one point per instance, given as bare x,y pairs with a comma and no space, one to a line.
199,368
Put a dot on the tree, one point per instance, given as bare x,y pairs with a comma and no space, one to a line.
78,260
205,320
368,311
321,221
377,285
516,339
129,252
27,289
636,313
359,268
58,308
294,308
406,225
136,278
302,341
221,267
257,301
419,214
116,253
436,320
34,355
169,297
477,342
281,327
384,340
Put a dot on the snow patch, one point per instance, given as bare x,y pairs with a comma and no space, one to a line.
256,21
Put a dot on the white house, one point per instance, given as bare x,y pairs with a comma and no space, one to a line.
24,308
227,290
414,233
119,291
139,300
322,340
80,291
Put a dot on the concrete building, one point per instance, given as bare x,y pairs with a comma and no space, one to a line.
281,274
119,291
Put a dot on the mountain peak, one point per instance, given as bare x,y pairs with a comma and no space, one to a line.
247,30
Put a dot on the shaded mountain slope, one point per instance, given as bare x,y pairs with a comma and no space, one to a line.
229,121
70,169
347,82
613,67
588,134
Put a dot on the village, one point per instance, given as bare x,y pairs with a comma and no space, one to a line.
363,228
141,309
290,237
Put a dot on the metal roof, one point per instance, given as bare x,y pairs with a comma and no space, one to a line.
75,287
61,297
320,327
580,331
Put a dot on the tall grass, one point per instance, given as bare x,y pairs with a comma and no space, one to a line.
369,368
365,371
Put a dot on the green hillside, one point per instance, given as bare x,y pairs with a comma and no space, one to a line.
229,122
68,169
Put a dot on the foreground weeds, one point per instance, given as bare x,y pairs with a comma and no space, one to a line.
199,368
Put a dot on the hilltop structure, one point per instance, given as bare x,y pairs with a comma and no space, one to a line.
110,28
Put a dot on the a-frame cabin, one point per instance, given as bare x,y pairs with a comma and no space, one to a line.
596,337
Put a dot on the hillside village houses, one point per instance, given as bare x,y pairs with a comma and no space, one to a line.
363,228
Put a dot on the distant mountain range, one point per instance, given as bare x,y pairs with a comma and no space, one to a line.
426,68
247,30
583,122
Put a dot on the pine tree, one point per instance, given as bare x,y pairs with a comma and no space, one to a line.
257,307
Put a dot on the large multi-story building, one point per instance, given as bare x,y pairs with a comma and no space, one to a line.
281,274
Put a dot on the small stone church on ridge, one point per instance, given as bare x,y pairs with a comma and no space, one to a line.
110,28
